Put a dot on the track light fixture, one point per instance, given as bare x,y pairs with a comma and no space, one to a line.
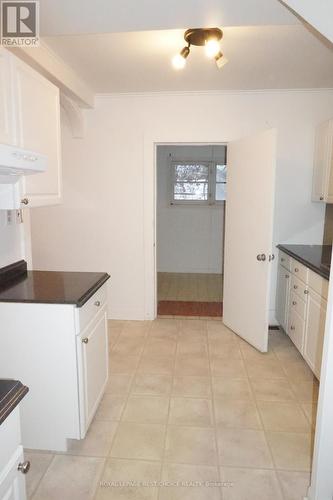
201,37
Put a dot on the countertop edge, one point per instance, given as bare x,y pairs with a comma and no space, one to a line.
78,303
12,400
324,274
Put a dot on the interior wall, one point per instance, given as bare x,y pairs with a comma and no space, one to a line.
101,224
189,238
11,246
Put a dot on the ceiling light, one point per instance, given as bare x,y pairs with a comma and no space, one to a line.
220,60
179,60
201,37
212,47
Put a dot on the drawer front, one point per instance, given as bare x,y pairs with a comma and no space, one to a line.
299,270
318,284
298,287
285,260
88,311
296,329
298,305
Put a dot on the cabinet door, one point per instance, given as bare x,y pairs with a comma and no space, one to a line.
322,186
296,328
314,331
93,372
39,125
12,485
7,121
282,296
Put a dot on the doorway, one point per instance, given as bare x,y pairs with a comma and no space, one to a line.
190,213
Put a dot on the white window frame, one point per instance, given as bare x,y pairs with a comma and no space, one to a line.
211,201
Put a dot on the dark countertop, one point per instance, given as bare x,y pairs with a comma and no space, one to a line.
11,393
48,287
315,257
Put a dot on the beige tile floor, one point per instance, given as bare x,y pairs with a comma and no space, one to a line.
189,287
190,412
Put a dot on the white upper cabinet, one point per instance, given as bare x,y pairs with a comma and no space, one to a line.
322,187
30,119
39,130
7,108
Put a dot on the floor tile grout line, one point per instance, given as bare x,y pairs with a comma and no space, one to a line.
163,461
42,476
263,428
214,419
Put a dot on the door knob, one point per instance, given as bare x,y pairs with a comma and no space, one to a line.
24,467
85,340
261,257
25,201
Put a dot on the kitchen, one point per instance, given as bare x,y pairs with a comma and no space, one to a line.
109,222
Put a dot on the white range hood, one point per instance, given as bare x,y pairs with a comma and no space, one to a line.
15,162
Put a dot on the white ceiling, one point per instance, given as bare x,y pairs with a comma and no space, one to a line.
260,57
68,17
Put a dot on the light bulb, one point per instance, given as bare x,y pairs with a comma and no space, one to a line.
178,62
212,47
220,60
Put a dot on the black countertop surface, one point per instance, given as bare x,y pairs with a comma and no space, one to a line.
315,257
48,287
11,393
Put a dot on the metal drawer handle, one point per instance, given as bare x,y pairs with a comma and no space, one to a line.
287,276
85,340
306,292
97,303
292,328
295,286
321,198
294,303
282,260
24,467
296,270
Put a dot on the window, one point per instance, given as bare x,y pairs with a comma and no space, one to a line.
200,183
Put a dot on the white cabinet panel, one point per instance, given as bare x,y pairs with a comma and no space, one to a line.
282,297
12,483
296,328
92,347
7,109
39,130
314,331
322,187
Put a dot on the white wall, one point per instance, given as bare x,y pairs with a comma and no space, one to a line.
11,247
107,180
189,238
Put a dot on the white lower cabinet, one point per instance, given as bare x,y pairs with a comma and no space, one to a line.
301,309
296,329
92,351
282,298
314,331
12,465
12,486
63,359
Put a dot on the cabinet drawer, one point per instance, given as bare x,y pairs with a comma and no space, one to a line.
318,284
298,287
296,329
285,260
298,305
299,270
88,311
